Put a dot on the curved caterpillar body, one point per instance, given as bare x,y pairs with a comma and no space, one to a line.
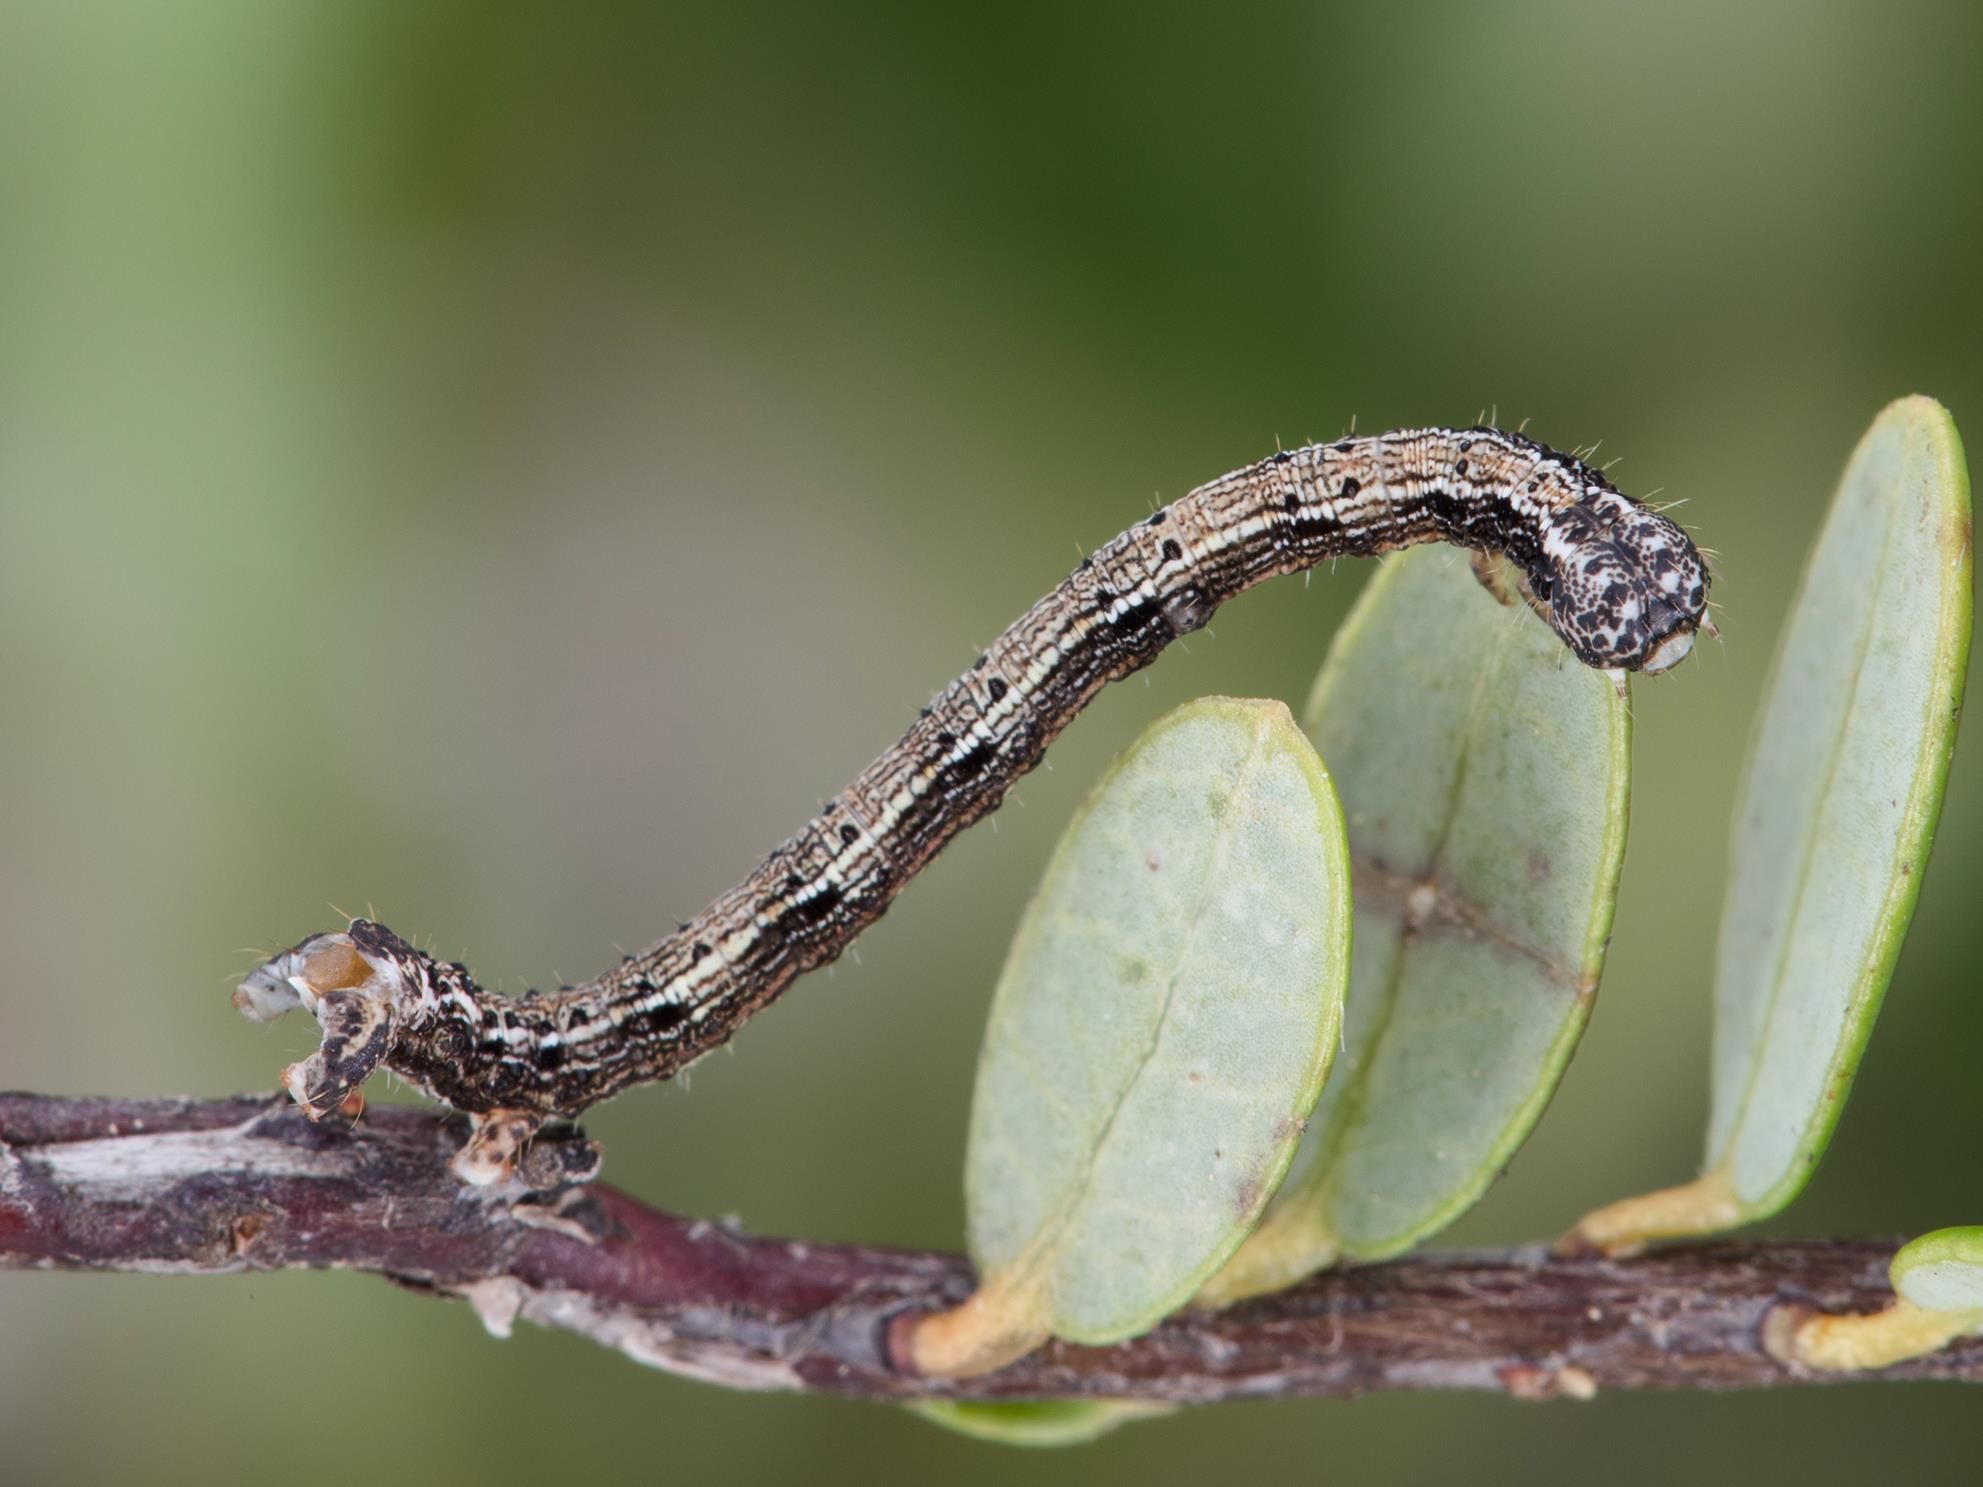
1620,584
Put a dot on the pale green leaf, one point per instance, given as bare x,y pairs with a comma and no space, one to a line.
1484,775
1840,801
1161,1030
1833,823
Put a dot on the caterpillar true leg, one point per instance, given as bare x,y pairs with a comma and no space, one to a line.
1488,570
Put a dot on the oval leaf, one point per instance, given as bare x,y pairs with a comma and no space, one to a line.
1037,1422
1834,819
1485,779
1160,1032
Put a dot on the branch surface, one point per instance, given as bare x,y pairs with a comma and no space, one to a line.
216,1187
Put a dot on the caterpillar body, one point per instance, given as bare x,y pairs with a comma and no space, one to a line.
1620,584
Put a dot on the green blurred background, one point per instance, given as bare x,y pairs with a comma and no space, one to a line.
505,465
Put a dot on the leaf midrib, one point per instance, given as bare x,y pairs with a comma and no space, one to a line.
1740,1124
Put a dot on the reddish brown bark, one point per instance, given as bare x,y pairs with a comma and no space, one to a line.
212,1187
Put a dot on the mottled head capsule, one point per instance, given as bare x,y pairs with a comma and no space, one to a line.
1626,588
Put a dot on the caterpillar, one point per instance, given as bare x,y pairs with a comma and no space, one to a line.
1620,584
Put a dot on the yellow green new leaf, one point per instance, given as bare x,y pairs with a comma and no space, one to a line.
1161,1030
1942,1271
1938,1297
1039,1423
1834,819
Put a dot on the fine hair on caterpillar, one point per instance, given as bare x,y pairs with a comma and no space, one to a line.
1620,584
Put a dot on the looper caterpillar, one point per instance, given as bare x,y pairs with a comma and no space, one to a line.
1620,584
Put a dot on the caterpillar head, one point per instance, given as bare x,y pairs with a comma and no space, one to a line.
1623,586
